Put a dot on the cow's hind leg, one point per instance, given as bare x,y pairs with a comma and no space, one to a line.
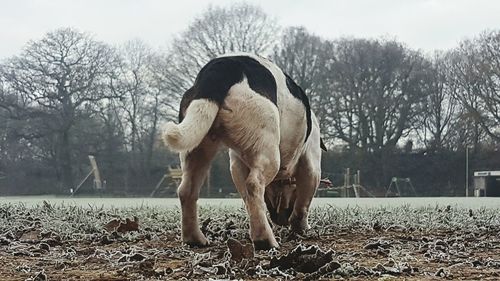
239,173
251,183
307,176
262,172
195,166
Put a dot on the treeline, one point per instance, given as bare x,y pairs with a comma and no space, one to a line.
384,108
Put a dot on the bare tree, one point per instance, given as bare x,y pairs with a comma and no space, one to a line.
129,83
437,124
475,74
302,56
376,95
490,78
53,80
471,84
220,30
140,82
305,57
376,88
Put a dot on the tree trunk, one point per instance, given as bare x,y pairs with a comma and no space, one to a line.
65,162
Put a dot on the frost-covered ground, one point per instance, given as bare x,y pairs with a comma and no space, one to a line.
48,241
470,202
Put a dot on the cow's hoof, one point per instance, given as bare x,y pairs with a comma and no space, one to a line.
265,244
299,225
196,241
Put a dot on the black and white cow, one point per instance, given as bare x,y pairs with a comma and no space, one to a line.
248,104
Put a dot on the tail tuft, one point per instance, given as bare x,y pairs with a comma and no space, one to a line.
172,136
198,120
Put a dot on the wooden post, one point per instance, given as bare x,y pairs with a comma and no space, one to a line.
466,171
356,184
347,182
97,174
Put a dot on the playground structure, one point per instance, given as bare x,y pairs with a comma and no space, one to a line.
351,188
98,185
402,188
174,175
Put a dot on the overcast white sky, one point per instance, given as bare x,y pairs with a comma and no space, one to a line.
422,24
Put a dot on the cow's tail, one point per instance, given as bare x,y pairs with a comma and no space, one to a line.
198,120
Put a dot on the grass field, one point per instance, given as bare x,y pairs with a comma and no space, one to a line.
372,239
470,202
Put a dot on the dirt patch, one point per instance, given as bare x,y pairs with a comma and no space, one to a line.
70,243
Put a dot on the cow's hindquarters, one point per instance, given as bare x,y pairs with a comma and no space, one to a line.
250,124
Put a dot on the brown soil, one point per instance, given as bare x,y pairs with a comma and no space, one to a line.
32,252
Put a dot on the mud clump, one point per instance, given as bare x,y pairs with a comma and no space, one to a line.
239,251
304,259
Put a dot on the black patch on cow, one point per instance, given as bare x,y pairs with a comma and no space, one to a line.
322,144
220,74
188,96
298,93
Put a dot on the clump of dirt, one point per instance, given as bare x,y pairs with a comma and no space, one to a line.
240,251
305,259
122,226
